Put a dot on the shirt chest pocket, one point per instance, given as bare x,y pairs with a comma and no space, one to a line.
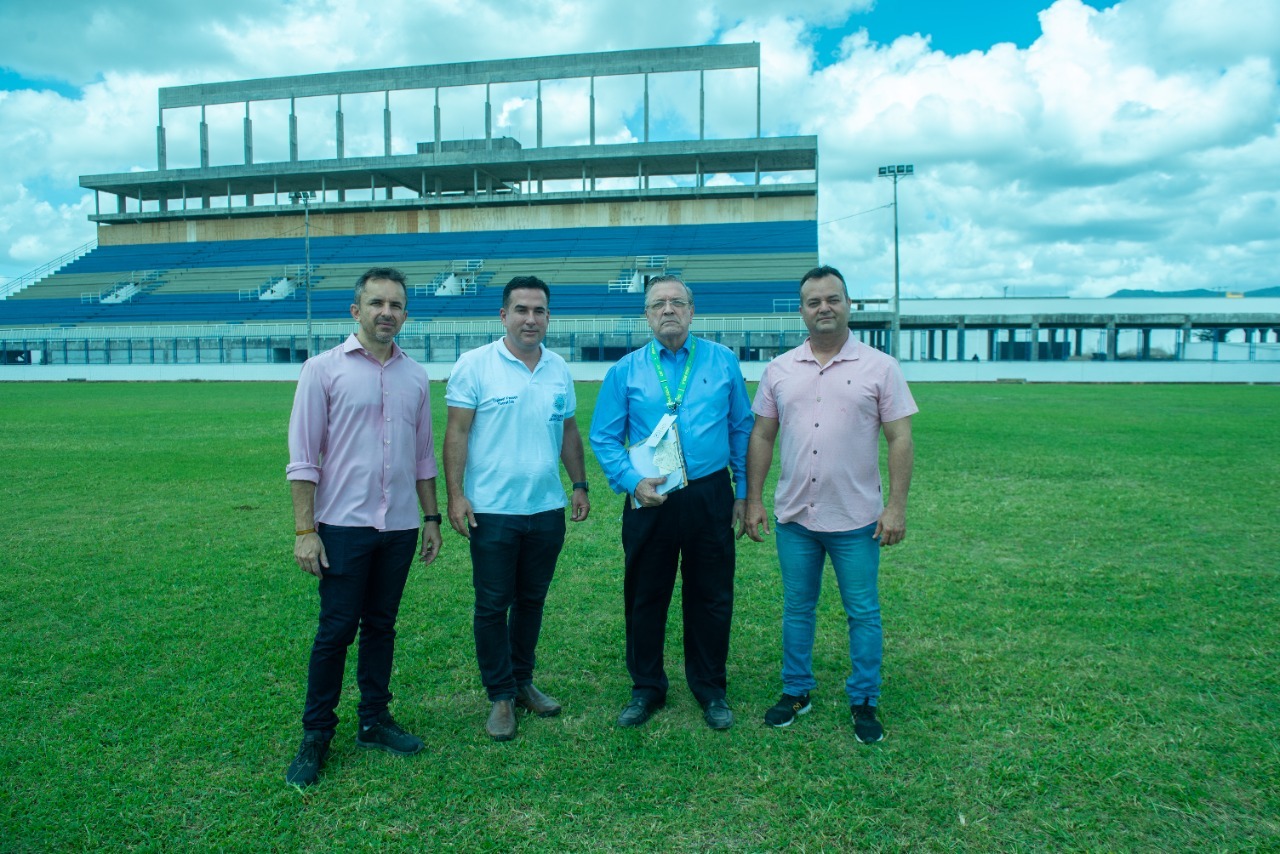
403,408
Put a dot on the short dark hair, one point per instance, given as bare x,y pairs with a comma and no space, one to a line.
821,273
389,273
530,282
667,277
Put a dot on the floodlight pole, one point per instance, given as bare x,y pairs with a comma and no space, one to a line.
896,171
305,197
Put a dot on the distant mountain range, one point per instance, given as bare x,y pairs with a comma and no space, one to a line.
1273,291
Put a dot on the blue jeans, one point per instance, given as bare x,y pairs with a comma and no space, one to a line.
360,590
512,561
855,557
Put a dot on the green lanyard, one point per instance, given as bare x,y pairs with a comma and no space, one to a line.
673,405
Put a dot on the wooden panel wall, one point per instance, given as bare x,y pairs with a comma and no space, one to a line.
454,220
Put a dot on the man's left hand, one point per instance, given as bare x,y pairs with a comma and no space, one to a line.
431,542
739,517
891,527
581,506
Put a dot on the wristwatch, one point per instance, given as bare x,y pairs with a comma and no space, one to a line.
434,517
581,484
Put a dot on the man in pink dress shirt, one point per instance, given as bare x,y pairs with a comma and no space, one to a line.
829,399
361,462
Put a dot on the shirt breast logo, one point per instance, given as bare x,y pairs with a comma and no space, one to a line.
559,402
505,401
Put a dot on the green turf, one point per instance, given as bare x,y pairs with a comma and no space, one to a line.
1080,631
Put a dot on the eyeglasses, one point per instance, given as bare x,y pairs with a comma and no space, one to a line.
660,304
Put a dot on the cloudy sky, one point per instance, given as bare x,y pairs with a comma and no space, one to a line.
1060,148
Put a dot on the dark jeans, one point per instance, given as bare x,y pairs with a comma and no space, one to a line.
512,561
361,589
692,528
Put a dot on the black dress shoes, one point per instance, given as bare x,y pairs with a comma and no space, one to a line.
717,714
528,697
501,725
638,711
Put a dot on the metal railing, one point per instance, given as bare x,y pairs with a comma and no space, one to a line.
13,286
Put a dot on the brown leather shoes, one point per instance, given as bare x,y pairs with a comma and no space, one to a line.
501,725
530,698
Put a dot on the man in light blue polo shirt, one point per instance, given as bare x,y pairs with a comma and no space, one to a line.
511,423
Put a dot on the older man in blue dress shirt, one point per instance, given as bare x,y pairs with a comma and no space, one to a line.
691,528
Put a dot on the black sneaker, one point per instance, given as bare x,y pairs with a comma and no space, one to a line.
866,729
387,735
305,767
786,710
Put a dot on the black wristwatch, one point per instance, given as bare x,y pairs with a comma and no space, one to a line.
581,484
434,517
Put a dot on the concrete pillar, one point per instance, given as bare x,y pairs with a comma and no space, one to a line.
960,341
1079,348
1113,341
435,139
646,108
293,131
204,141
488,119
702,107
248,136
757,101
162,155
340,138
1144,348
539,122
386,126
591,114
1033,350
992,350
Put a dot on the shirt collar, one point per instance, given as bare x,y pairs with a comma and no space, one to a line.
683,349
848,352
353,344
512,357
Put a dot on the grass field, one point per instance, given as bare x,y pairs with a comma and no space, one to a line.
1080,654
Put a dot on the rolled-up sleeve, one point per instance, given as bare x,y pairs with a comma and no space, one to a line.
308,426
425,451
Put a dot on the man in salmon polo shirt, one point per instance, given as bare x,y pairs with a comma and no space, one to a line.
829,399
360,464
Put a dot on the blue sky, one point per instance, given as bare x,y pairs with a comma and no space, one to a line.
1060,146
954,27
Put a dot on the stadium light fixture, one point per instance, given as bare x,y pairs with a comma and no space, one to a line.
896,171
305,196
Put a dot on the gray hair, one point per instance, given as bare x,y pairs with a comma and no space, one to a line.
658,280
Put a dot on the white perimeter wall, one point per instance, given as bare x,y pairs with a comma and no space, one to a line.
1038,372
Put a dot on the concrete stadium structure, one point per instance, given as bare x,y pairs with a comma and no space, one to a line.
240,270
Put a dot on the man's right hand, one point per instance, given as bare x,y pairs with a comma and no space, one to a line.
647,492
756,518
461,519
308,551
